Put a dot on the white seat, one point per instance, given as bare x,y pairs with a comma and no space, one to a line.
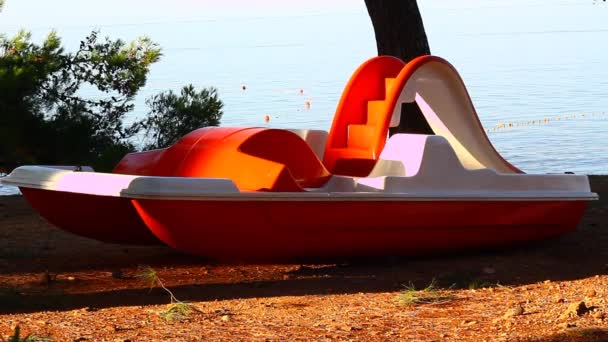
402,155
409,155
430,166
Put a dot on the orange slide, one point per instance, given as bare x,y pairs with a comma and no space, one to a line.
371,102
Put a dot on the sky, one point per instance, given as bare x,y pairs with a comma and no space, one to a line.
36,13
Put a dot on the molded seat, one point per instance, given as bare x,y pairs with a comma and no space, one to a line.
255,159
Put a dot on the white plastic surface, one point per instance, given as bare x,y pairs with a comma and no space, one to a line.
431,166
115,185
315,138
411,167
445,103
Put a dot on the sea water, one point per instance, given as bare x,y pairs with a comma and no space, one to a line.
537,71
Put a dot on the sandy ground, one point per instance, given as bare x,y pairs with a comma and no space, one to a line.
54,284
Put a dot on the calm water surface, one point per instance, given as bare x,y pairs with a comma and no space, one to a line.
521,61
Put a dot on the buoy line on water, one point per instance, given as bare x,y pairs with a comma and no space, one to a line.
544,121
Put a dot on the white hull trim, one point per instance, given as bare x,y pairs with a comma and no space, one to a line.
207,189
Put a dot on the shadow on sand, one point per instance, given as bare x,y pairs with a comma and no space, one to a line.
577,255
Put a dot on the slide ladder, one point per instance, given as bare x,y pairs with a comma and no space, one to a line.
353,145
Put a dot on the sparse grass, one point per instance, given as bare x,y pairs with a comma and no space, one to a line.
176,311
429,295
464,281
476,284
29,338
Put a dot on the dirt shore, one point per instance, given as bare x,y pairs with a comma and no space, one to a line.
54,284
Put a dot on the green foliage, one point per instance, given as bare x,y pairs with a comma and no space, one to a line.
44,119
172,116
149,275
29,338
176,311
23,69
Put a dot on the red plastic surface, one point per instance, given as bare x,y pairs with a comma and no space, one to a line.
255,159
285,230
108,219
355,154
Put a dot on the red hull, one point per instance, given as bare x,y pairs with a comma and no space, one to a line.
283,230
103,218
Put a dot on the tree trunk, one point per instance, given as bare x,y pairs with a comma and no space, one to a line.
400,32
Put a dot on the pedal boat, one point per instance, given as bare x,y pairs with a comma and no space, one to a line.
255,193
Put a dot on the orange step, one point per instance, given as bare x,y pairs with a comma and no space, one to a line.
376,111
357,134
389,83
360,136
